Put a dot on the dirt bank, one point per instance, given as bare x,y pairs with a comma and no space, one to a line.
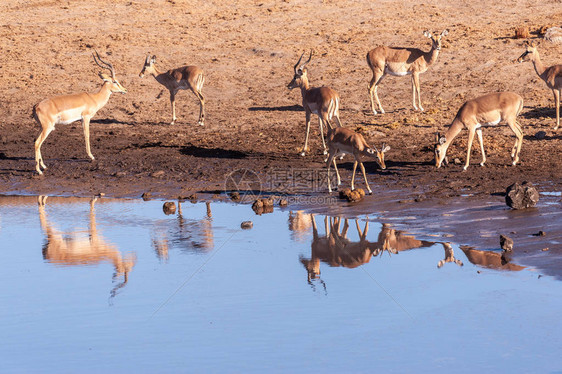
247,50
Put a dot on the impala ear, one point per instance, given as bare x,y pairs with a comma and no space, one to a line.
153,59
442,140
427,34
385,148
444,32
105,77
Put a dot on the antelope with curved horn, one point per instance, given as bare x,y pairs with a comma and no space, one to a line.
488,110
66,109
552,75
322,101
186,77
343,140
397,61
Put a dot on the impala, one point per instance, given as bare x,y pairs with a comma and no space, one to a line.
344,140
397,61
186,77
552,75
322,101
66,109
488,110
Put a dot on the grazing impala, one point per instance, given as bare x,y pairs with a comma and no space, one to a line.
344,140
322,101
552,75
186,77
488,110
385,60
66,109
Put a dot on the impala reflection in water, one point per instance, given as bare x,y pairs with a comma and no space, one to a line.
77,248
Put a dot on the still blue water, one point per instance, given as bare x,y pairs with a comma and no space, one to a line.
117,285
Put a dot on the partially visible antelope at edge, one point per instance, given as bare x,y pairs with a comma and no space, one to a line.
322,101
552,75
399,61
488,110
63,110
186,77
343,140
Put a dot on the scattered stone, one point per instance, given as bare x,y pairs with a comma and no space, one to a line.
267,202
361,192
521,196
540,135
542,30
234,196
283,202
169,207
522,32
457,161
158,174
261,206
246,225
545,249
120,174
354,197
405,201
345,193
146,196
478,271
506,243
257,204
540,233
554,35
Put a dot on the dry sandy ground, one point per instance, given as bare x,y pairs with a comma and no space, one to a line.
248,49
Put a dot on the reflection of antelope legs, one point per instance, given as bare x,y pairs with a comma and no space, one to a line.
70,249
449,256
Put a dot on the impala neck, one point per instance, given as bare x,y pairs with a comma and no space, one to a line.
305,86
158,75
431,56
537,63
102,96
452,133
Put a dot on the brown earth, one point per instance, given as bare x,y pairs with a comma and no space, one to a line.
248,49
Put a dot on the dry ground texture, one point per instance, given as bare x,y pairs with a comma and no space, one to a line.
248,49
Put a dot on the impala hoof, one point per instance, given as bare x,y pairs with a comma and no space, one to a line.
481,164
464,168
200,123
302,154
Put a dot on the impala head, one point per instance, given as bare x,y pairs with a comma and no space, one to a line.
530,50
379,155
435,41
115,86
148,67
440,149
300,72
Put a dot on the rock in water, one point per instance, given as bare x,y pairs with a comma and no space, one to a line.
506,243
521,196
169,207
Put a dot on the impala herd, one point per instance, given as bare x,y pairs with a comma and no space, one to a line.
488,110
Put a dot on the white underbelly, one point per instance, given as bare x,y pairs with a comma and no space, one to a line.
69,116
491,123
396,73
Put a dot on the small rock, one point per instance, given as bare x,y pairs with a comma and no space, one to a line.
169,207
457,161
506,243
354,196
521,196
246,225
257,204
361,192
146,196
540,233
540,135
267,202
158,174
545,249
522,32
283,202
345,193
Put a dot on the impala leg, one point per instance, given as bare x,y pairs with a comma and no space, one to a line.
173,103
337,172
86,125
321,124
353,174
330,159
416,90
305,148
377,78
201,108
414,93
38,143
516,128
481,141
557,103
365,176
469,147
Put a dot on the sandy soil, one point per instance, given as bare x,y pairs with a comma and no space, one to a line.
247,49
